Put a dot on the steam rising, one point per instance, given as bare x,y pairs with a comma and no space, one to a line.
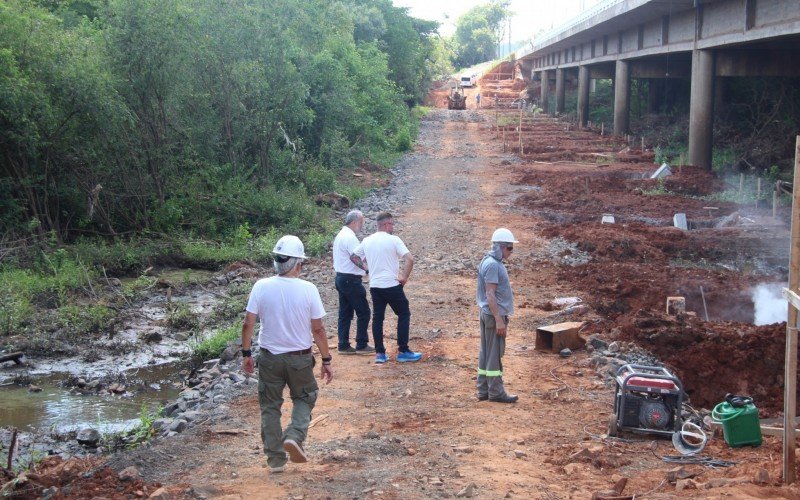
770,305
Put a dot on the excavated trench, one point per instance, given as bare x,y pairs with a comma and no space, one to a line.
569,179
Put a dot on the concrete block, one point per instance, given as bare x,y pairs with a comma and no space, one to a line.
680,222
607,219
663,171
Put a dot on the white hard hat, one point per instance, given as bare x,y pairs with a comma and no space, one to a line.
290,246
503,235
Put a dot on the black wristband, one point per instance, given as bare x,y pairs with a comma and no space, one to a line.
246,353
327,360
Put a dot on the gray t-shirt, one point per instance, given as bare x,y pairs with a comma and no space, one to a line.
493,271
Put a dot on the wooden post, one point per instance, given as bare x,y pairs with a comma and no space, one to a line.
790,362
741,184
602,129
586,184
520,130
775,201
642,144
758,190
504,138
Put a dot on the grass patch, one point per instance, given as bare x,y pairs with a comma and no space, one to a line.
213,346
82,320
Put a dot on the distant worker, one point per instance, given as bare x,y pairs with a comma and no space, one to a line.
352,295
383,252
478,99
496,302
290,311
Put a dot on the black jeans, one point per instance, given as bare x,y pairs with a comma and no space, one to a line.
352,298
395,297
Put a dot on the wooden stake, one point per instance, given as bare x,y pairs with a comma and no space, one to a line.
12,447
790,361
758,190
520,130
602,129
642,144
741,184
586,184
775,202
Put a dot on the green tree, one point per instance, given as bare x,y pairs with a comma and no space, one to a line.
479,31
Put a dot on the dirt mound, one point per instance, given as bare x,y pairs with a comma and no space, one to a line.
710,358
76,478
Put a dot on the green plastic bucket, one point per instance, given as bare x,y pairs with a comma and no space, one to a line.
740,425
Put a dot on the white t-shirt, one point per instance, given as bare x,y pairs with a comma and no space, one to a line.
343,246
383,252
285,307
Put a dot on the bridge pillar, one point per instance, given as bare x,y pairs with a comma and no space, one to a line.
583,96
701,109
559,91
622,87
545,91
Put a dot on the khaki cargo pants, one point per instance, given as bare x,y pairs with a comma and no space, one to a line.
275,372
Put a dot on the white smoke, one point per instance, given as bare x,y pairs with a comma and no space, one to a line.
769,304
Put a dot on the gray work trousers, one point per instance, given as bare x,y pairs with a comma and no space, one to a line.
490,364
275,372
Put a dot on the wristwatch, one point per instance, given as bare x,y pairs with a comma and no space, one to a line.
327,361
246,353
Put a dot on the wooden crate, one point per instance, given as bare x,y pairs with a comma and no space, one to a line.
554,338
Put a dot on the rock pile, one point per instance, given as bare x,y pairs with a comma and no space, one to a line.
203,400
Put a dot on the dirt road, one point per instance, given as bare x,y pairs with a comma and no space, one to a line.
416,430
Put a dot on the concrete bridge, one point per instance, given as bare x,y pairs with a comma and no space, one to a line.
701,40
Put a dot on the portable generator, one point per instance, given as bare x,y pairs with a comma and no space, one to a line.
647,400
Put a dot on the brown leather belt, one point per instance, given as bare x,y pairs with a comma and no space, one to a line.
296,353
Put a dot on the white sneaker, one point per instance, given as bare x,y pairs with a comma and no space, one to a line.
295,451
277,469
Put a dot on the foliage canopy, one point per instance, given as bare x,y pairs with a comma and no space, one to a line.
197,116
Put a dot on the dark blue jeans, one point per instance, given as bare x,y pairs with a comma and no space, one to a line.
352,298
395,297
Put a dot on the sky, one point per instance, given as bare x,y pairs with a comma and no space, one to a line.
530,15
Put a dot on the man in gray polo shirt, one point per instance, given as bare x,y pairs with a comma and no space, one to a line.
496,301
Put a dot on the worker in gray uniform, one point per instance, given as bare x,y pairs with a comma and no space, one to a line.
496,302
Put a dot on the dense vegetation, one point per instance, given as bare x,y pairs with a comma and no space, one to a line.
197,117
137,133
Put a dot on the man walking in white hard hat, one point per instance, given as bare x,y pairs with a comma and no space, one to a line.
290,311
496,302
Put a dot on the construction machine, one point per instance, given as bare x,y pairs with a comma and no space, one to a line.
457,99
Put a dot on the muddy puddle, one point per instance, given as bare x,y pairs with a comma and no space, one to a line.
144,353
57,408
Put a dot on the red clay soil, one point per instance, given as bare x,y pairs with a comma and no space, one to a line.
713,358
642,259
78,478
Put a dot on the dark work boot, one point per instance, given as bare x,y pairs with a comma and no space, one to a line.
505,398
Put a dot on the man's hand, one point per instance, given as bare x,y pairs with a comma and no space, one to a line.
247,365
402,279
500,326
326,373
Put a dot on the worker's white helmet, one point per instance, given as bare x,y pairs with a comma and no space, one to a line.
503,235
290,246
